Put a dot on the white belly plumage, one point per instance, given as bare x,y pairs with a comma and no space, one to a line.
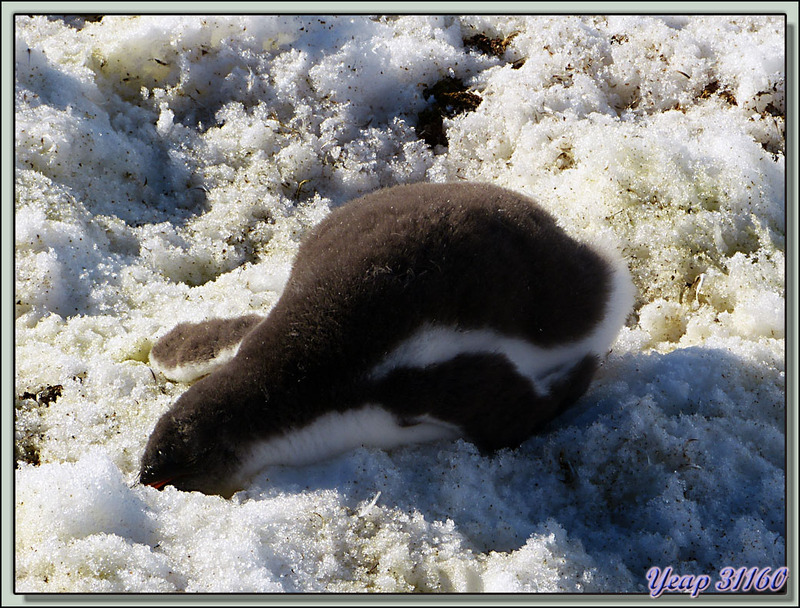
339,432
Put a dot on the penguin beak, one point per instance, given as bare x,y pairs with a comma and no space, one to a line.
159,484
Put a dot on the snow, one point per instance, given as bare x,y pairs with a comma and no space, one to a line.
167,168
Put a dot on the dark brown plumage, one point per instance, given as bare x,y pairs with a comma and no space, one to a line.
376,270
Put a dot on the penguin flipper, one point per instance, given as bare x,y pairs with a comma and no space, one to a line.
483,395
192,350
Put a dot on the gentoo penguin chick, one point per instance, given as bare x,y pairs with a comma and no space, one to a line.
414,313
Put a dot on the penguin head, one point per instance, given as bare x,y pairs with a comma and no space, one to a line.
190,449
